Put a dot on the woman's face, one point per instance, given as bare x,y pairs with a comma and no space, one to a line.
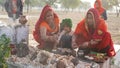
49,17
97,5
66,28
90,19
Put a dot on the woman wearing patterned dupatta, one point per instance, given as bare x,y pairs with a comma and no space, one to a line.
91,33
46,28
101,10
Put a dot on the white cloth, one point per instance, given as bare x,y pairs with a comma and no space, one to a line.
12,22
8,31
22,33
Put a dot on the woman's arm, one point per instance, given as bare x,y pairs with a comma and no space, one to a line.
44,36
84,45
74,44
79,42
43,33
89,44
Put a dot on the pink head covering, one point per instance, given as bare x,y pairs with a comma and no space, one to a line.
95,14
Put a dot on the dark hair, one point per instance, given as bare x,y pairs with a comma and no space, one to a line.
22,19
66,22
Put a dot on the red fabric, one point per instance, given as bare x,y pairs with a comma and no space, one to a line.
14,6
100,33
49,30
36,32
100,9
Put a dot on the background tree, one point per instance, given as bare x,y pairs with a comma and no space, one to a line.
2,4
70,4
108,4
50,2
28,2
65,4
84,5
74,4
38,3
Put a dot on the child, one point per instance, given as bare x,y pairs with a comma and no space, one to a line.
65,38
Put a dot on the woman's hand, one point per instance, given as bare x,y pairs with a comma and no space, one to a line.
93,42
51,39
84,45
44,36
74,45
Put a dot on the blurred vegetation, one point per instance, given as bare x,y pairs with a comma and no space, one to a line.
66,4
70,4
109,4
4,50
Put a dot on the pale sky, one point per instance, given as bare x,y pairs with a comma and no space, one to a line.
91,1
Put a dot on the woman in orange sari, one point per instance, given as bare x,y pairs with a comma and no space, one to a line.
46,28
91,33
101,10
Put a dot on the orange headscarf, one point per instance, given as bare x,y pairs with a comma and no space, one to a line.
41,20
100,9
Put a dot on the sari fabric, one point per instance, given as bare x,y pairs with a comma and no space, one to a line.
42,22
100,9
100,33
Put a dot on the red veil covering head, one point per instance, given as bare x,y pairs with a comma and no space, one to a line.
100,9
100,33
36,33
95,14
98,23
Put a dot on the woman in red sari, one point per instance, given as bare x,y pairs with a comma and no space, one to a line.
91,33
101,10
46,28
